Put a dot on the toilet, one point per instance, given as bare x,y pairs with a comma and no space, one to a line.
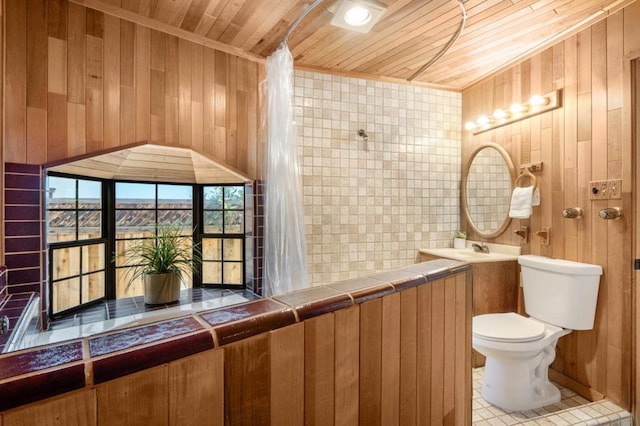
559,296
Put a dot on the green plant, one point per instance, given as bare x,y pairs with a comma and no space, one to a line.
460,234
169,252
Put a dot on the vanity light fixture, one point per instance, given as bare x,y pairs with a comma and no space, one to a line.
358,15
537,104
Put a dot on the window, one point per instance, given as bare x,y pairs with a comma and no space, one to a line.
76,244
140,209
92,222
223,235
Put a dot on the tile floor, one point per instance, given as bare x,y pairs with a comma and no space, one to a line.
571,410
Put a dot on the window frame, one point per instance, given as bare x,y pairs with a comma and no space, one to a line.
108,237
79,243
224,236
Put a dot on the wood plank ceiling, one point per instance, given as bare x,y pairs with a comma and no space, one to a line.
497,32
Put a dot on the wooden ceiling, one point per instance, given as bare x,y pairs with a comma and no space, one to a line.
497,32
149,162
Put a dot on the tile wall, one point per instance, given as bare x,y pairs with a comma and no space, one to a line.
370,206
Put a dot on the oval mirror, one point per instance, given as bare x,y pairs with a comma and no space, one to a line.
487,183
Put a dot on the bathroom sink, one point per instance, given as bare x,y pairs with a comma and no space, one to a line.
497,253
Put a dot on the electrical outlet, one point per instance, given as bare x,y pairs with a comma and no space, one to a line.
598,190
605,189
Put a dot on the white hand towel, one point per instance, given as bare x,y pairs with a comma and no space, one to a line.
536,197
521,201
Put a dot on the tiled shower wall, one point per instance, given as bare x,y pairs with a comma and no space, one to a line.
369,206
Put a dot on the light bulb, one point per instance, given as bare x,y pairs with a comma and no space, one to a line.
470,125
518,108
357,16
483,120
500,114
538,100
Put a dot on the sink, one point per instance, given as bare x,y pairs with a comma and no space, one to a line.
497,253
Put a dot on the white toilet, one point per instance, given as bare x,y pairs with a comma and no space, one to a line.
559,296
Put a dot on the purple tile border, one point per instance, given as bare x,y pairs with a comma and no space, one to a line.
20,363
249,319
123,363
315,301
22,168
21,244
154,332
25,390
42,372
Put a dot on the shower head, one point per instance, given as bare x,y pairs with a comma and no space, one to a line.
363,134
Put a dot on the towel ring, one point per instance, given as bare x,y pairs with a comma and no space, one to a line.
526,174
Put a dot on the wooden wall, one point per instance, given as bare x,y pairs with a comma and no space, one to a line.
399,360
80,81
587,139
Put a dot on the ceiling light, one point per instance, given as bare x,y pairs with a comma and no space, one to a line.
358,15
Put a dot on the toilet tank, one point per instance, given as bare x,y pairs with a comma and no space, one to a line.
560,292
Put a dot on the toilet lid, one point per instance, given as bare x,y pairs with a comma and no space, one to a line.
507,327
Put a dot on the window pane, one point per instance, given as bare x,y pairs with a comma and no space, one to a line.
175,197
89,194
121,248
61,226
135,222
212,272
61,192
135,195
66,294
232,249
211,249
125,287
234,197
212,222
177,219
233,222
92,258
66,262
89,224
92,287
232,273
213,197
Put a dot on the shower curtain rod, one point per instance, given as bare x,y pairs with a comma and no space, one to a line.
444,50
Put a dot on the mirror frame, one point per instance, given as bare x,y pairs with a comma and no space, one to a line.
465,175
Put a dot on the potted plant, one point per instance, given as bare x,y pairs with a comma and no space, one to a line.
161,262
459,239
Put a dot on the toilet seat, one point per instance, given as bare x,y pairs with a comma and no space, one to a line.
507,327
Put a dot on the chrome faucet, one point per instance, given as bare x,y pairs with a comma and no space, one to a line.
480,248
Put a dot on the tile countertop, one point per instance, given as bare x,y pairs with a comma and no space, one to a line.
497,253
45,371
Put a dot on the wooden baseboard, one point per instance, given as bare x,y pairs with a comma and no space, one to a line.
577,387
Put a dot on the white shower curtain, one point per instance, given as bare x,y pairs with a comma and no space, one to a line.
285,251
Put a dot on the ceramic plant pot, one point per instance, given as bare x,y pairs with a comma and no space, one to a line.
459,243
161,288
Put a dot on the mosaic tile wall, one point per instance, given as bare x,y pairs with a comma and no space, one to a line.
369,206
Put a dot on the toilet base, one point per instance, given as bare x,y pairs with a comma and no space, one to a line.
520,384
